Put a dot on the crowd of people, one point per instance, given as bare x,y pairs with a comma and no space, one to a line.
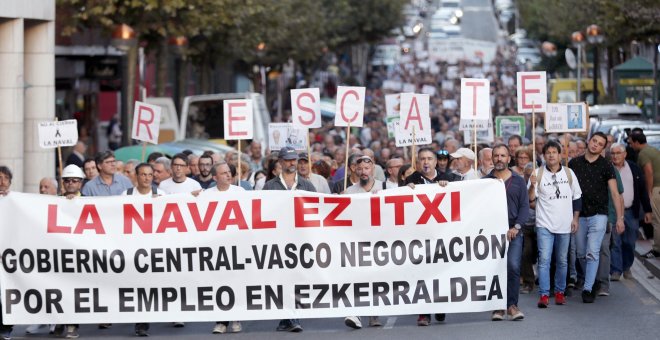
577,223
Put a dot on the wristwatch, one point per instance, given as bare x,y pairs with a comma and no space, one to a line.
517,226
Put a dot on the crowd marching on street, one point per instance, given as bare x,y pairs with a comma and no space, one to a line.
575,220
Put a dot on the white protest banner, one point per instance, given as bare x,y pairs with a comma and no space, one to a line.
469,124
405,138
475,98
253,255
146,122
452,50
428,89
238,119
392,85
415,113
566,117
532,88
392,104
350,106
286,134
306,108
58,133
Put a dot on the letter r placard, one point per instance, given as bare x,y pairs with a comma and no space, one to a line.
146,122
239,119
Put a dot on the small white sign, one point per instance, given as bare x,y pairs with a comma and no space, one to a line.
404,138
350,106
475,98
59,133
392,104
483,136
408,87
428,89
306,108
532,92
238,119
392,85
146,122
468,124
566,117
286,134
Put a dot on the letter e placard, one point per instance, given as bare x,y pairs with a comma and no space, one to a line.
238,118
532,89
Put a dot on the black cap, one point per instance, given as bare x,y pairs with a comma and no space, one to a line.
303,155
288,153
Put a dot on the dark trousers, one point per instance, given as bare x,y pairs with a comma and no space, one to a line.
530,252
4,329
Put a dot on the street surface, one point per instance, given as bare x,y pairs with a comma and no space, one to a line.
478,20
630,312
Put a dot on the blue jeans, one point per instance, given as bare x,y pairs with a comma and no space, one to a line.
623,248
513,258
588,240
547,242
572,258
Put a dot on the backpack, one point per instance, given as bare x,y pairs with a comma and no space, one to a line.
154,190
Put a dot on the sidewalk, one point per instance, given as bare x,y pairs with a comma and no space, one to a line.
653,265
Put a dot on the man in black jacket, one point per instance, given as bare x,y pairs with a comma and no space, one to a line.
427,171
634,194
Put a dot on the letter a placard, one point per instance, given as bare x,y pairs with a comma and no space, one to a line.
306,108
475,99
146,122
414,114
532,89
350,106
239,119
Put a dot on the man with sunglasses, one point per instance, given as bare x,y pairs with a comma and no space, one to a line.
558,202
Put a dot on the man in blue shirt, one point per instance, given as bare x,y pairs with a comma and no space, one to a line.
109,182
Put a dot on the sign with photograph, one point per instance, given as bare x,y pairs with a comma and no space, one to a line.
285,134
566,117
506,126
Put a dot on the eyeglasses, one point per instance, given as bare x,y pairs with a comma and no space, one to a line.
554,182
174,165
363,159
71,180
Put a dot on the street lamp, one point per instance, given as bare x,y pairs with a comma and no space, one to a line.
178,45
261,51
578,41
595,37
124,39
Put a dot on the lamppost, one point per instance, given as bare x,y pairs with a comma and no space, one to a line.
178,45
124,39
595,37
578,42
261,51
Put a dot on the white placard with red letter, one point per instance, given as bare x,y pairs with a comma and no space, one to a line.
350,106
146,122
415,115
532,89
306,108
475,98
238,119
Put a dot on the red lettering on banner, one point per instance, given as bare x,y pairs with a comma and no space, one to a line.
132,215
306,109
431,208
52,222
231,118
299,211
171,210
417,117
238,220
89,212
202,225
257,222
331,220
144,121
341,107
375,211
475,84
456,206
399,202
525,90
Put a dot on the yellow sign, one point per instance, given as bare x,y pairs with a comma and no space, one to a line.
636,82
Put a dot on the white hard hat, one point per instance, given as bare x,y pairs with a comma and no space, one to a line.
72,170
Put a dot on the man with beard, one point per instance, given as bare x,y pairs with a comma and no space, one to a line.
426,172
517,201
289,180
205,178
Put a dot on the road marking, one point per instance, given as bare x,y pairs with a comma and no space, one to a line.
390,322
476,9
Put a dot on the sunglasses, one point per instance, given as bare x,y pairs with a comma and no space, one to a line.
443,153
71,180
363,159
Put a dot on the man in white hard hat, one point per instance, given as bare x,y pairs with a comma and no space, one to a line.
464,159
72,178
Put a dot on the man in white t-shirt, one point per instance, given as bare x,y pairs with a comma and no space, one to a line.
392,167
222,176
144,173
320,184
179,182
558,204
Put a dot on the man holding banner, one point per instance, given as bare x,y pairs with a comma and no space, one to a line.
517,201
5,182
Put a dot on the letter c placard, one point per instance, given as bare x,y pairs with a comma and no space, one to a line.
350,106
